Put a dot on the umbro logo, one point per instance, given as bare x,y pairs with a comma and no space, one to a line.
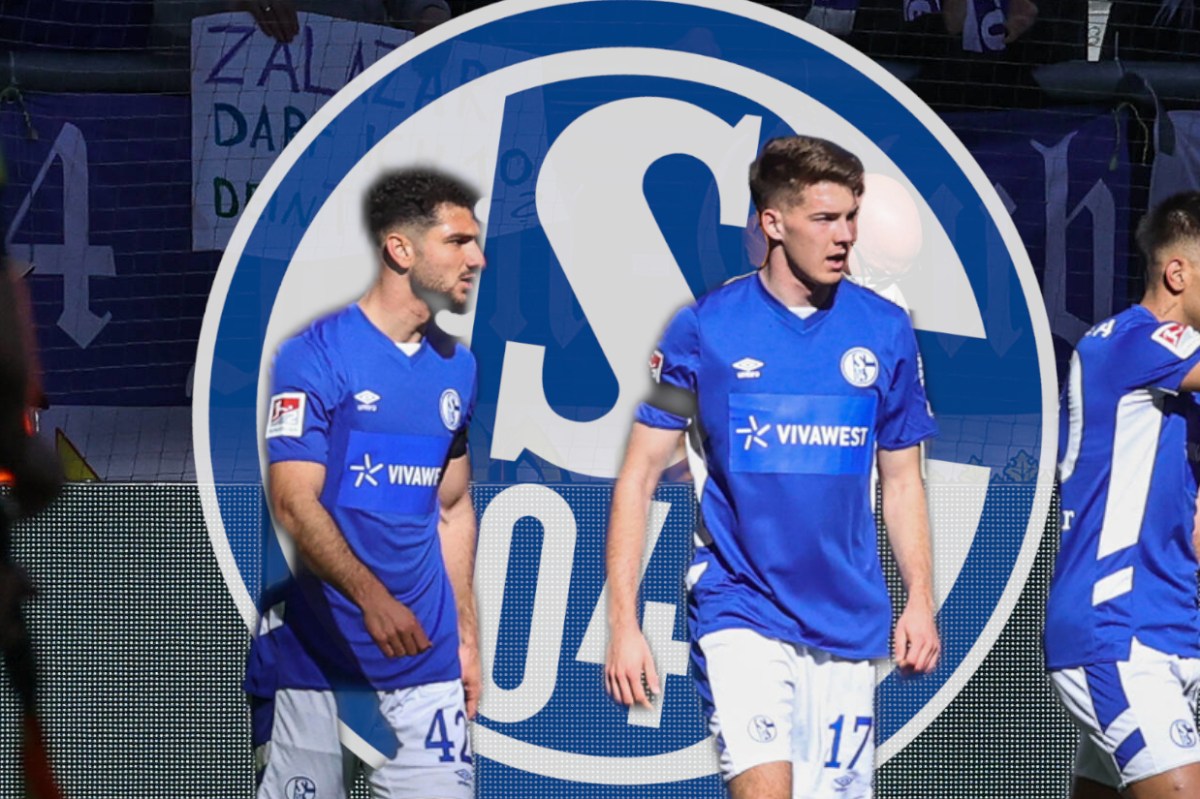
748,367
367,399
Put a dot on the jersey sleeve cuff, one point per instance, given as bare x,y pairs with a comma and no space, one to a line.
279,454
910,440
656,417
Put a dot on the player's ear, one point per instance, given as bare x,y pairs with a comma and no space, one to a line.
771,222
1175,273
400,249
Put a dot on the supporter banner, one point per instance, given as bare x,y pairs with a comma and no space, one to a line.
97,208
119,295
1065,179
1178,168
251,93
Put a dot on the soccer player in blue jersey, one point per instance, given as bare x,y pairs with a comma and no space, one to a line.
791,384
1122,635
369,475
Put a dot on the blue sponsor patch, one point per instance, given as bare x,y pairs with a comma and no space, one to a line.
780,434
392,473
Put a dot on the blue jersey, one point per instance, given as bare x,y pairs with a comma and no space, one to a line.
1126,567
788,413
384,424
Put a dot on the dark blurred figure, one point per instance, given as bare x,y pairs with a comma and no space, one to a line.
419,16
278,18
970,57
1152,30
36,478
82,25
26,461
460,7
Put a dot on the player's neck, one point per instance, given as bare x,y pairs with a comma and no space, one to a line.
1165,306
786,285
392,307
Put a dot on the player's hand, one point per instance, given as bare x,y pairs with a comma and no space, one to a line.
917,645
472,677
393,627
629,668
276,18
1022,14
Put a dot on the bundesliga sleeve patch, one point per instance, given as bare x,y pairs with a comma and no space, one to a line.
656,363
287,415
1179,339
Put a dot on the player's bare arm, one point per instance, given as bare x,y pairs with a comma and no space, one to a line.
646,456
916,646
456,528
1192,381
295,490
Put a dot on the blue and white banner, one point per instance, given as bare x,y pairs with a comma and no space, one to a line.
251,94
611,142
1178,168
1065,179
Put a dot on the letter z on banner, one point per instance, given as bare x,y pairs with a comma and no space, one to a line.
611,142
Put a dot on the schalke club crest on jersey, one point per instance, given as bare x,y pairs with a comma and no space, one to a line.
859,367
450,406
610,141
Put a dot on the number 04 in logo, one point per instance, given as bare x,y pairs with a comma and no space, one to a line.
611,142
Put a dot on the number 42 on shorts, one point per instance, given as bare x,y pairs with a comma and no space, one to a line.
438,737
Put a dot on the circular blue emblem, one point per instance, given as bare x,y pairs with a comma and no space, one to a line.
450,406
300,788
762,729
860,367
610,141
1183,733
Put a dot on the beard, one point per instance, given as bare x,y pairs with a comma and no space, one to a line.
436,296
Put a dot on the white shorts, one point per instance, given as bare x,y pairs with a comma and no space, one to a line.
771,701
1136,716
304,758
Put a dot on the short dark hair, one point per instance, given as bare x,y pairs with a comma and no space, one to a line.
1172,220
790,164
412,197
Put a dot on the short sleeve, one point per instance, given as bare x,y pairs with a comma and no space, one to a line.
905,418
674,365
458,446
1159,357
303,397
